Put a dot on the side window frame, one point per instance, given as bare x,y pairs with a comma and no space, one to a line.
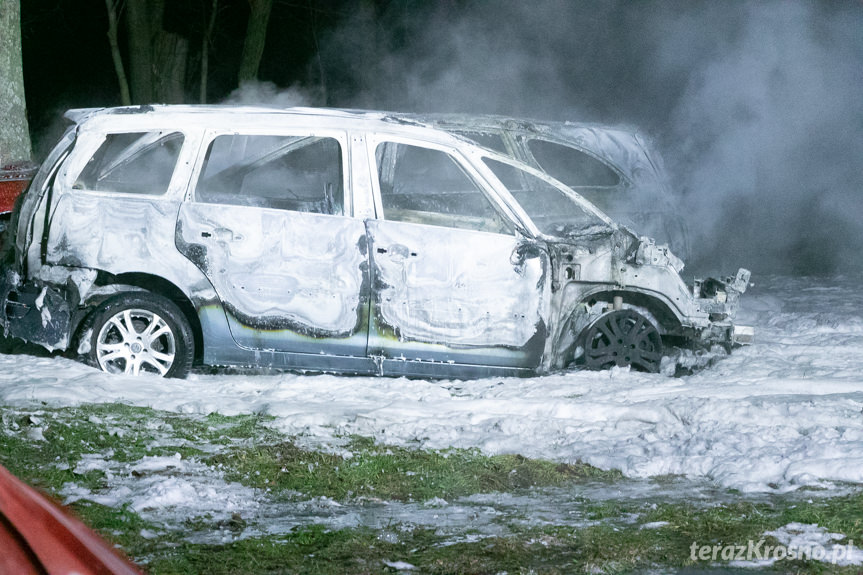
88,142
524,145
340,136
475,177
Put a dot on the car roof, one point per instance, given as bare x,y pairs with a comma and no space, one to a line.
230,116
171,117
626,148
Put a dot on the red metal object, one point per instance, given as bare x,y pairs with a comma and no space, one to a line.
13,181
37,536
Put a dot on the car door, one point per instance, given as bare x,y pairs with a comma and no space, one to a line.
452,279
269,224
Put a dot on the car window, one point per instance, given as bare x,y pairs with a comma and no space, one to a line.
132,163
571,166
427,186
298,173
553,211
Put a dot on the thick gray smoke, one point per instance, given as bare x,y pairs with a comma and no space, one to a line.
767,140
255,92
756,106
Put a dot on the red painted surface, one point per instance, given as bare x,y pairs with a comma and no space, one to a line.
37,536
13,181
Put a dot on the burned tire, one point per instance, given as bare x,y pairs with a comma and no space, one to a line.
141,332
622,338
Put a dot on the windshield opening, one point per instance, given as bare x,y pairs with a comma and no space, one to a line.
553,210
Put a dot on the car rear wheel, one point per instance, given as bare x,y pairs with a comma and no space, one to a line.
622,338
141,332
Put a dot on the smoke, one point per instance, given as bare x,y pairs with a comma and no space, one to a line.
756,106
767,144
259,93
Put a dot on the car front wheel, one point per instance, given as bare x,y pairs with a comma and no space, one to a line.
623,338
141,332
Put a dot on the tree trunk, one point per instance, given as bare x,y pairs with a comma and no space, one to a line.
14,132
256,37
139,27
322,76
157,58
115,53
171,53
205,50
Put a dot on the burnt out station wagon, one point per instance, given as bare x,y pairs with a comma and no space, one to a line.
154,238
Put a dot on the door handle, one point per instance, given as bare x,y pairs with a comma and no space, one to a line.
398,250
222,235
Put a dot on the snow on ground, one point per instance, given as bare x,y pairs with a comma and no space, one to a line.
171,492
155,483
783,413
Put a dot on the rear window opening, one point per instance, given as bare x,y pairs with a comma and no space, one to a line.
132,163
572,167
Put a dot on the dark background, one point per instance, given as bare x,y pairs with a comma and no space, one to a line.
757,107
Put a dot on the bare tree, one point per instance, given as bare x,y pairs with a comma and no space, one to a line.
139,28
170,56
256,37
14,132
157,58
322,75
125,98
205,50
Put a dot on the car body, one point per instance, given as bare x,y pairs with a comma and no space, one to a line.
615,168
39,536
332,240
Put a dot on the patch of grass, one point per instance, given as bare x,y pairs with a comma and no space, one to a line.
731,522
250,452
836,514
552,550
317,550
608,508
393,473
121,433
125,528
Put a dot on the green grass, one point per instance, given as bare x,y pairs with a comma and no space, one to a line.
316,550
251,453
125,432
394,473
246,449
552,549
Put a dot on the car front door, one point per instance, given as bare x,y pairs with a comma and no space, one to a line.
452,280
268,223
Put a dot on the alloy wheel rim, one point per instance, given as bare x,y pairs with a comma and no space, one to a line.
624,338
133,341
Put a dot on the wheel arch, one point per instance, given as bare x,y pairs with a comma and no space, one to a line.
583,313
139,281
668,321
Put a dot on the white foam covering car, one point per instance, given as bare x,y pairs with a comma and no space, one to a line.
154,238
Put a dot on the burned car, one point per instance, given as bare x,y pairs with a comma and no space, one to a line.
154,238
615,168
